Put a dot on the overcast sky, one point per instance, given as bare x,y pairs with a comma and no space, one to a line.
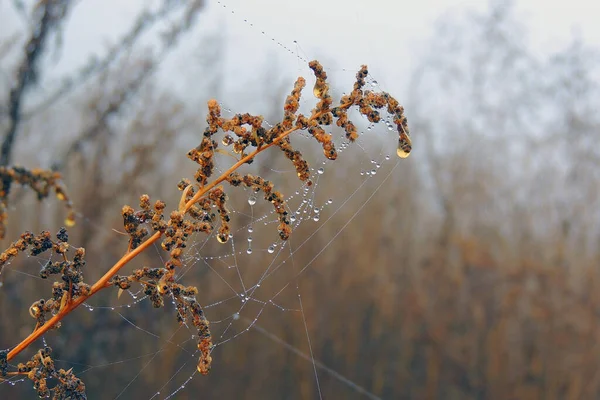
386,34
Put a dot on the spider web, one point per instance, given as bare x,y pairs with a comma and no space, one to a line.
255,279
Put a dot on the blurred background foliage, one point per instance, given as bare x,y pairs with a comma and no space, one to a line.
472,275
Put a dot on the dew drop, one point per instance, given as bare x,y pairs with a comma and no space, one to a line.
252,200
271,249
236,316
329,201
320,171
387,157
221,238
373,172
249,251
404,146
249,239
401,153
250,229
316,218
293,218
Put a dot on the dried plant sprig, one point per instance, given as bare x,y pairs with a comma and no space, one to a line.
40,368
366,101
195,211
71,284
160,282
40,181
257,184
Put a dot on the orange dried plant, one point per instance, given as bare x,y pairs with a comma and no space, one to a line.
247,137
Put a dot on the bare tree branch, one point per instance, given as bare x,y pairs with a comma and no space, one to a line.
48,15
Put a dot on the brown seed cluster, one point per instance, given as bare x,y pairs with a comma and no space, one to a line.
257,184
41,181
133,221
160,282
368,103
71,284
40,368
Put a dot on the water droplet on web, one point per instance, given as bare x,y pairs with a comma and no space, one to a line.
316,218
249,251
293,218
252,200
91,308
249,239
373,172
329,201
271,249
236,316
316,209
387,157
250,229
320,171
378,165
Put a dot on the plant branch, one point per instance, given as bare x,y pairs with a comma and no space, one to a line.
130,255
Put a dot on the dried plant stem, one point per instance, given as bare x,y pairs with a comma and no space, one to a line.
130,255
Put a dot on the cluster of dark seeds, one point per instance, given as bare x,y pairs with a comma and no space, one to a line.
39,369
160,282
71,284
